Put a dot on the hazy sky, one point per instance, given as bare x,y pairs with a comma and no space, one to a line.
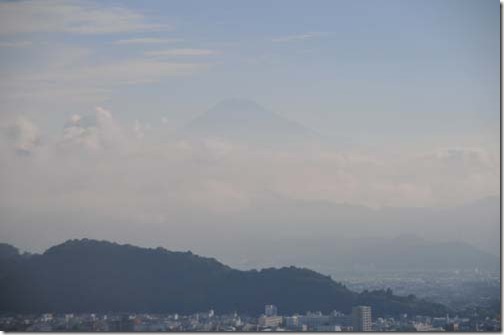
92,93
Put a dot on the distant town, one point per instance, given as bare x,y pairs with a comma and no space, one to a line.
360,320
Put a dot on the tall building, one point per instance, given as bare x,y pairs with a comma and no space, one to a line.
315,320
292,322
270,321
361,318
270,310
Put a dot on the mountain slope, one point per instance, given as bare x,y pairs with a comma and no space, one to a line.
88,275
339,237
246,122
338,255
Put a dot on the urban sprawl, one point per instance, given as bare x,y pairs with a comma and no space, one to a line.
361,319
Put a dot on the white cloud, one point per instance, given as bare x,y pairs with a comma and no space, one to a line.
113,165
185,170
182,52
15,44
126,72
148,40
93,132
100,172
217,196
65,73
298,37
139,129
69,16
92,82
23,134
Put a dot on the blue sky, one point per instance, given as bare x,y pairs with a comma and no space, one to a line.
374,70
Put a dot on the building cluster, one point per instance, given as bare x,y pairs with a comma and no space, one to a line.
360,320
457,289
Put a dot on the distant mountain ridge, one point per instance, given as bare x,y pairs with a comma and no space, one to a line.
335,238
99,276
402,253
245,121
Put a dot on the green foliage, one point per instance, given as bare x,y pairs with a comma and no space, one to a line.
98,276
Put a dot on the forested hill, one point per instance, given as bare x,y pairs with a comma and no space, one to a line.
98,276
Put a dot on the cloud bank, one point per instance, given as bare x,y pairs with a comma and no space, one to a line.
67,16
137,183
204,170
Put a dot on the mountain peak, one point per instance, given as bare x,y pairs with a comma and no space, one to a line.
245,121
237,105
78,244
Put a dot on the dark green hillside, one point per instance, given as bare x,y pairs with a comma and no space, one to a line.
97,276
